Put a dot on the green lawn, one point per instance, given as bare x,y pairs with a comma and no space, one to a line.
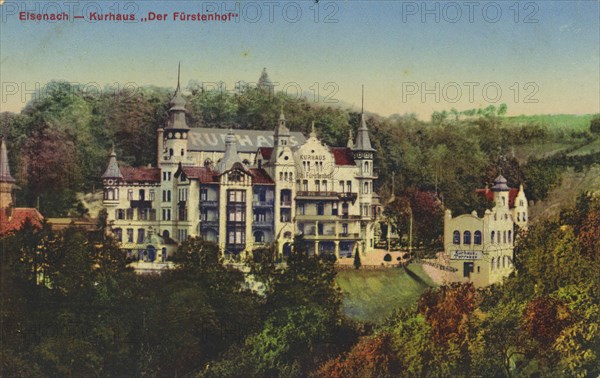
372,295
553,121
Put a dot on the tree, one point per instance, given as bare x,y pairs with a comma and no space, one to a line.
595,125
357,262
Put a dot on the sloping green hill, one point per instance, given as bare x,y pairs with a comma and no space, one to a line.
372,295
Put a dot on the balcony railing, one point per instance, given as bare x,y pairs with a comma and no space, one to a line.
268,203
262,223
209,203
286,203
213,223
316,194
140,204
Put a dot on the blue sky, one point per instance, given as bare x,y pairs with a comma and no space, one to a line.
538,57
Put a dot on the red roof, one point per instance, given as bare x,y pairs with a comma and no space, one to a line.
143,174
266,152
342,156
18,217
489,195
260,176
203,174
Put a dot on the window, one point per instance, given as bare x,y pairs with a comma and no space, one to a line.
236,215
130,235
524,217
143,214
320,228
237,196
342,187
518,217
142,194
203,194
492,236
182,152
477,238
170,152
152,195
164,196
520,202
366,188
305,185
301,210
183,213
509,236
344,229
324,185
119,234
456,237
467,237
349,186
317,185
492,264
120,214
320,209
141,235
236,237
129,214
334,208
503,237
152,214
345,209
166,214
130,195
366,167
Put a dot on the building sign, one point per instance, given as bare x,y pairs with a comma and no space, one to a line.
207,139
465,255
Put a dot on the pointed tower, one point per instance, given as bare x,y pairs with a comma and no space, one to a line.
520,211
231,154
363,156
111,179
7,182
281,138
501,190
176,132
264,82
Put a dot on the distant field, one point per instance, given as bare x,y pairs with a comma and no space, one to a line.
587,149
372,295
553,121
541,150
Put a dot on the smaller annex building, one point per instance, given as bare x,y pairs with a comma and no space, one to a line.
481,248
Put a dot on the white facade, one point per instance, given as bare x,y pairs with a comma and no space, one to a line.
241,200
481,249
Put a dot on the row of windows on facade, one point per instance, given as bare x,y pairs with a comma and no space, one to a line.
113,194
323,186
495,237
141,235
319,229
319,166
496,263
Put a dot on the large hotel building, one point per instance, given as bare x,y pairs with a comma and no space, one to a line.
243,189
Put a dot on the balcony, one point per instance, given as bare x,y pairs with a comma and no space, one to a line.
309,195
371,175
140,204
209,203
286,203
266,203
268,223
213,223
331,236
347,196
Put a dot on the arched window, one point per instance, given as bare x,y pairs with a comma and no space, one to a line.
492,236
467,237
509,236
170,152
492,264
498,263
477,238
259,237
142,195
366,189
366,167
456,237
165,235
504,237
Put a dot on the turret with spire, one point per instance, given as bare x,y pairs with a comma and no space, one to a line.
231,156
7,182
175,134
350,143
501,190
281,137
112,170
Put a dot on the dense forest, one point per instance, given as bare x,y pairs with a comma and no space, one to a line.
71,308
